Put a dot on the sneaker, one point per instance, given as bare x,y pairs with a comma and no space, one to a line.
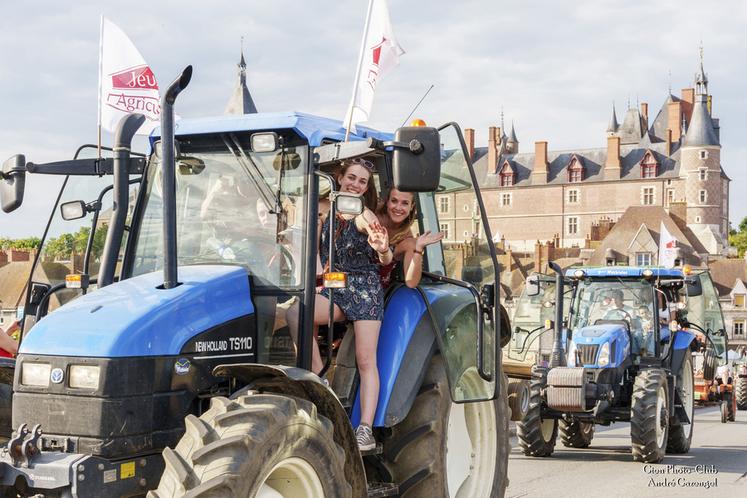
364,437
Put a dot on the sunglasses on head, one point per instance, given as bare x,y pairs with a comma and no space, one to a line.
361,162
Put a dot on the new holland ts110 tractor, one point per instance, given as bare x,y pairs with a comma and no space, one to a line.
164,364
622,353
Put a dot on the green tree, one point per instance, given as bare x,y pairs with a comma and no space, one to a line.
61,247
738,239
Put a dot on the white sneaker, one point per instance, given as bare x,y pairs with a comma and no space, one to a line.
364,437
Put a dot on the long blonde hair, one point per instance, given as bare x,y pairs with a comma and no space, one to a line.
403,231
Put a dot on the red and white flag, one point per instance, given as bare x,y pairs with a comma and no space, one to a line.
379,54
126,82
667,247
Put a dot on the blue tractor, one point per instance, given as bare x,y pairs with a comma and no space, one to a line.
623,352
162,364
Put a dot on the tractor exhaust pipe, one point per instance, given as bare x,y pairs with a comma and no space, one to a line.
168,184
557,359
126,129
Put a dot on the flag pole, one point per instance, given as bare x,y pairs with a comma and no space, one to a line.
358,71
101,76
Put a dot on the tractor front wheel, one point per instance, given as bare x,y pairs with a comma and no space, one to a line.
258,445
741,389
575,433
537,435
681,434
649,416
449,449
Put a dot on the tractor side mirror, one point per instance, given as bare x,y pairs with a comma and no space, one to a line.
532,286
73,210
416,161
694,286
12,183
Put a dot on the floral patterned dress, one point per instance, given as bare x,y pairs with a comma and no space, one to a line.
363,298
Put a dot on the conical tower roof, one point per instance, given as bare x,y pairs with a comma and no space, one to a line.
613,126
241,101
701,131
513,138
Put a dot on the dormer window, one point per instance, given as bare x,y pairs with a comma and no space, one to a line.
507,175
649,165
575,170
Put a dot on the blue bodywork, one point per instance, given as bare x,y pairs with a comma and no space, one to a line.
312,128
597,335
135,318
625,271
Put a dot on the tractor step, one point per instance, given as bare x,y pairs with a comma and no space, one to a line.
381,489
376,451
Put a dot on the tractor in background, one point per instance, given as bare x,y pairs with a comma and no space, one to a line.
164,364
623,352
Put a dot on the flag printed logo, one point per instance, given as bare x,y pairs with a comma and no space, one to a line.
127,83
672,244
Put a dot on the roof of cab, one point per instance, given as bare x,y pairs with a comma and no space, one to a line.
625,271
313,128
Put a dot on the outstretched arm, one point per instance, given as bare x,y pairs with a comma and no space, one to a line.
413,259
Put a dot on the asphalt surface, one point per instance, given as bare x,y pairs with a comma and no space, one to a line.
715,466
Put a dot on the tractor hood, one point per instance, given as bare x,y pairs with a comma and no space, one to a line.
136,318
598,334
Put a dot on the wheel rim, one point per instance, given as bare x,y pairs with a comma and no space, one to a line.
471,449
290,478
687,396
661,416
524,399
547,427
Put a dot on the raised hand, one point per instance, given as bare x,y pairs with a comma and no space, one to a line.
427,239
378,238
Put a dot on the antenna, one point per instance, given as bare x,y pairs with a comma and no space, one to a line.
417,105
670,82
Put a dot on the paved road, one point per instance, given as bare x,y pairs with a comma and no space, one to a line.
718,457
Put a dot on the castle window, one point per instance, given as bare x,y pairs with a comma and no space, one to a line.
575,171
508,177
697,219
573,196
702,174
572,225
444,227
702,196
738,300
704,154
670,196
505,199
466,208
739,328
649,166
643,259
647,196
443,205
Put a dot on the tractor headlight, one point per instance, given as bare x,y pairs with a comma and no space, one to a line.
604,355
35,374
84,376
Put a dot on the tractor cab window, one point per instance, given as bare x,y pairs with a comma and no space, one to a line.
234,207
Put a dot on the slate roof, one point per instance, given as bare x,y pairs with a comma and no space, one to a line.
241,101
725,273
701,130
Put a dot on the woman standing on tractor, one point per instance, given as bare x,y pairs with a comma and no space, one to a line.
397,214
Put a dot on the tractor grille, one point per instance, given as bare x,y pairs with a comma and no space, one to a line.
588,353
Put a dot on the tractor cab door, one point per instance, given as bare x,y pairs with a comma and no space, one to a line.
704,312
530,335
462,283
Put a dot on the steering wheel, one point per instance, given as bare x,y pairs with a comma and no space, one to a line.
259,254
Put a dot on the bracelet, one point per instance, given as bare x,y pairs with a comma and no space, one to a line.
417,252
383,253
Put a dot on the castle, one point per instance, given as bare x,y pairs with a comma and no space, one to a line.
672,162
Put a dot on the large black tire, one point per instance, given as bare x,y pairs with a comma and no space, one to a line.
740,387
649,416
730,407
681,435
575,433
537,436
415,451
724,412
239,445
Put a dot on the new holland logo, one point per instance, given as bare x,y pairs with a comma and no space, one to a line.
57,376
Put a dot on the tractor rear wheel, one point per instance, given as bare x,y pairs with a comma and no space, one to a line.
447,449
537,436
724,412
741,390
575,433
649,416
731,406
258,445
681,435
518,399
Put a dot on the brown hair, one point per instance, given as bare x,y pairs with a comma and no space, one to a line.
403,231
370,198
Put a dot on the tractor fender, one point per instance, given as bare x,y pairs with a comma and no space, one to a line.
407,341
304,384
680,346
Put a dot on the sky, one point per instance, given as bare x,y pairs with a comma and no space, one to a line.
554,67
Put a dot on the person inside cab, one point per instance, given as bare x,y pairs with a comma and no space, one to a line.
615,308
9,344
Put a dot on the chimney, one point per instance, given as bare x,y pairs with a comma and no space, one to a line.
469,139
688,99
492,151
509,260
538,256
644,113
674,120
669,143
540,171
612,164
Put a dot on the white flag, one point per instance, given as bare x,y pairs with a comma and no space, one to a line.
379,54
667,247
126,82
